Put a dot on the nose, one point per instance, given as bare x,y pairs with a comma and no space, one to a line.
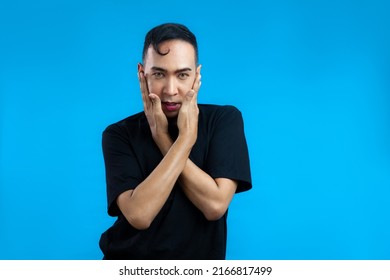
170,87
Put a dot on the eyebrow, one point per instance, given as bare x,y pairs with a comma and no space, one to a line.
186,69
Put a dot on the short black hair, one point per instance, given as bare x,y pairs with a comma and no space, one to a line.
166,32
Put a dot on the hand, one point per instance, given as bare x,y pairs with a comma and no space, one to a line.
157,120
187,121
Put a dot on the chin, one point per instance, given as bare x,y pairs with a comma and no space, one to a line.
171,115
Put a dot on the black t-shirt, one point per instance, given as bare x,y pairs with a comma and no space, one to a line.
180,230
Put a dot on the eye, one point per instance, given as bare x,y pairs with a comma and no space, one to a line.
158,75
183,76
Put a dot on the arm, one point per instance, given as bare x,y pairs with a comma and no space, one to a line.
141,205
211,196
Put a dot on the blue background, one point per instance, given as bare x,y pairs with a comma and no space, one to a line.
310,77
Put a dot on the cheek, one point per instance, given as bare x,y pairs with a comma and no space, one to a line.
185,86
154,87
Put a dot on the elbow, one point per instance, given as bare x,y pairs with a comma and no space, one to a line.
141,225
139,222
136,217
215,212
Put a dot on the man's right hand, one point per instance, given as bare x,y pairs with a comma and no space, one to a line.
157,120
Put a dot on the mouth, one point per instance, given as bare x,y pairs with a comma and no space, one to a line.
171,106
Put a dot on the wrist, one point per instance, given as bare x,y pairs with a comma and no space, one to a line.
187,140
164,142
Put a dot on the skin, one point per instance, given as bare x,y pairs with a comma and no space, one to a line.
169,88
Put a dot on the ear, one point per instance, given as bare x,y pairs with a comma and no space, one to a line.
140,68
198,69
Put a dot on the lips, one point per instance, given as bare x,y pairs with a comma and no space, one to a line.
171,106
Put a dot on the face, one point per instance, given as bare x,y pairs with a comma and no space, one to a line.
172,75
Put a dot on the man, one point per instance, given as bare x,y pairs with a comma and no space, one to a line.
173,169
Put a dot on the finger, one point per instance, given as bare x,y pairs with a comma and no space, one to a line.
195,97
156,101
191,96
144,90
197,82
198,76
143,85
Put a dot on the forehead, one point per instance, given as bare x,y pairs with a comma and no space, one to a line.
177,53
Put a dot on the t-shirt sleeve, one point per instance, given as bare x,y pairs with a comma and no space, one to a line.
228,155
122,169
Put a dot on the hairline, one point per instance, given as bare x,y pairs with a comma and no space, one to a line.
163,54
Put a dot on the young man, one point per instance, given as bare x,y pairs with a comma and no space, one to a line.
172,169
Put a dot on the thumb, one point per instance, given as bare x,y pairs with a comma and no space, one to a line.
190,95
156,101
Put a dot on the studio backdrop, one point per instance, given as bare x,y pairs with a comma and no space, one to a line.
311,79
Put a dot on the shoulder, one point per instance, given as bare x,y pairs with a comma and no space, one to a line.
219,112
129,123
212,108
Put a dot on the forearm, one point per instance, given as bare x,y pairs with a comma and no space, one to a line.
203,191
142,205
211,196
164,143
